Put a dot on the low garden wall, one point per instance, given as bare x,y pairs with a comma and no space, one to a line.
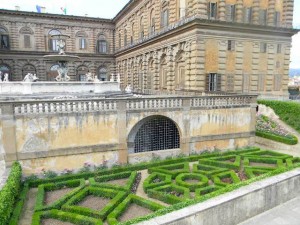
237,206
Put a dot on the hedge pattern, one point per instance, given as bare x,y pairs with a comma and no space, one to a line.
173,182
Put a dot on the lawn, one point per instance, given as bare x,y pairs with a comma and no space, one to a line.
133,193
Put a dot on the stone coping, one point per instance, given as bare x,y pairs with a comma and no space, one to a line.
191,211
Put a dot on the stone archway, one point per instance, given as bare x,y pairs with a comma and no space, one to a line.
154,133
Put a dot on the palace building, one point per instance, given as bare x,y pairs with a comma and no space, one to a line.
240,46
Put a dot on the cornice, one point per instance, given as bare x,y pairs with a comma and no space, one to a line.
55,16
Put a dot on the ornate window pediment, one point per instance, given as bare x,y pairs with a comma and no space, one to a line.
26,30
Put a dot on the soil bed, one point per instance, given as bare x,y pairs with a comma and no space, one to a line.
121,182
52,196
227,180
134,211
94,202
54,222
262,164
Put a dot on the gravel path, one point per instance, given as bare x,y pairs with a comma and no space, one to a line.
54,222
134,211
28,208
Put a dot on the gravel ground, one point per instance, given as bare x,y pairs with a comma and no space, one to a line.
54,222
134,211
52,196
94,202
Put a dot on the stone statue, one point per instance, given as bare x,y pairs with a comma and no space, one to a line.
89,76
30,78
6,78
128,89
62,73
61,47
112,79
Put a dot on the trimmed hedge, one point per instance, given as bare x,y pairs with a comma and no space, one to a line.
287,111
207,170
115,196
164,193
217,178
10,192
254,172
199,192
64,216
181,180
173,169
42,189
112,218
270,161
267,154
289,140
164,180
99,180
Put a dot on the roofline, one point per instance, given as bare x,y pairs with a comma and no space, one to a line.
127,6
54,16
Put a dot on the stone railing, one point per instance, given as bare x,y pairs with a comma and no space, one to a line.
45,107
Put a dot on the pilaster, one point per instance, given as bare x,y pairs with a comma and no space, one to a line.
271,13
239,11
222,10
255,14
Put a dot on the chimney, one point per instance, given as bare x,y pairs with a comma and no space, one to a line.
17,7
43,9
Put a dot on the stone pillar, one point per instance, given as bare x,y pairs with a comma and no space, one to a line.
9,140
156,71
285,75
255,62
222,63
270,67
222,10
170,69
239,11
197,72
145,72
122,145
185,138
271,13
255,14
202,8
187,59
289,13
239,62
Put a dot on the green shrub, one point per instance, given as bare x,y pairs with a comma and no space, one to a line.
42,189
217,178
207,170
199,192
290,140
64,216
181,180
9,193
287,111
271,163
115,196
173,169
156,179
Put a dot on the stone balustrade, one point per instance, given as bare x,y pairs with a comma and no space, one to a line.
45,107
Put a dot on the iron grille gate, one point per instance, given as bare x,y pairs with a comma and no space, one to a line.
158,133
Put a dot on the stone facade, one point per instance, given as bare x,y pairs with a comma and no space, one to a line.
216,45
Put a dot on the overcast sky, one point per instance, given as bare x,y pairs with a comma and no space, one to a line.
109,8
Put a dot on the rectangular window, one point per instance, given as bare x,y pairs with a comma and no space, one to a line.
165,18
27,43
102,46
230,82
212,10
4,41
213,82
230,13
230,45
263,17
263,47
279,48
261,82
277,19
82,43
247,15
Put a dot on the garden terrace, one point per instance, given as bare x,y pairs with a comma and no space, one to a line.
107,196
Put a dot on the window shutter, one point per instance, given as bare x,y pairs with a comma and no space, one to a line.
27,41
263,17
85,43
162,19
98,46
50,44
219,82
228,13
247,15
232,45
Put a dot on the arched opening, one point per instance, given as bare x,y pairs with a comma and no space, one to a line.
154,133
28,68
81,73
4,69
102,76
53,43
102,45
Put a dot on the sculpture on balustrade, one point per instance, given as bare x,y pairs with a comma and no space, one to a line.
5,79
128,89
91,77
30,78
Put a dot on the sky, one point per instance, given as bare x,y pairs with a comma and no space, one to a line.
109,8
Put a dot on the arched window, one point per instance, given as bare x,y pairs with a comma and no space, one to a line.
81,72
26,35
28,68
152,22
165,18
53,42
125,37
81,39
154,133
102,44
141,28
4,38
5,69
102,74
